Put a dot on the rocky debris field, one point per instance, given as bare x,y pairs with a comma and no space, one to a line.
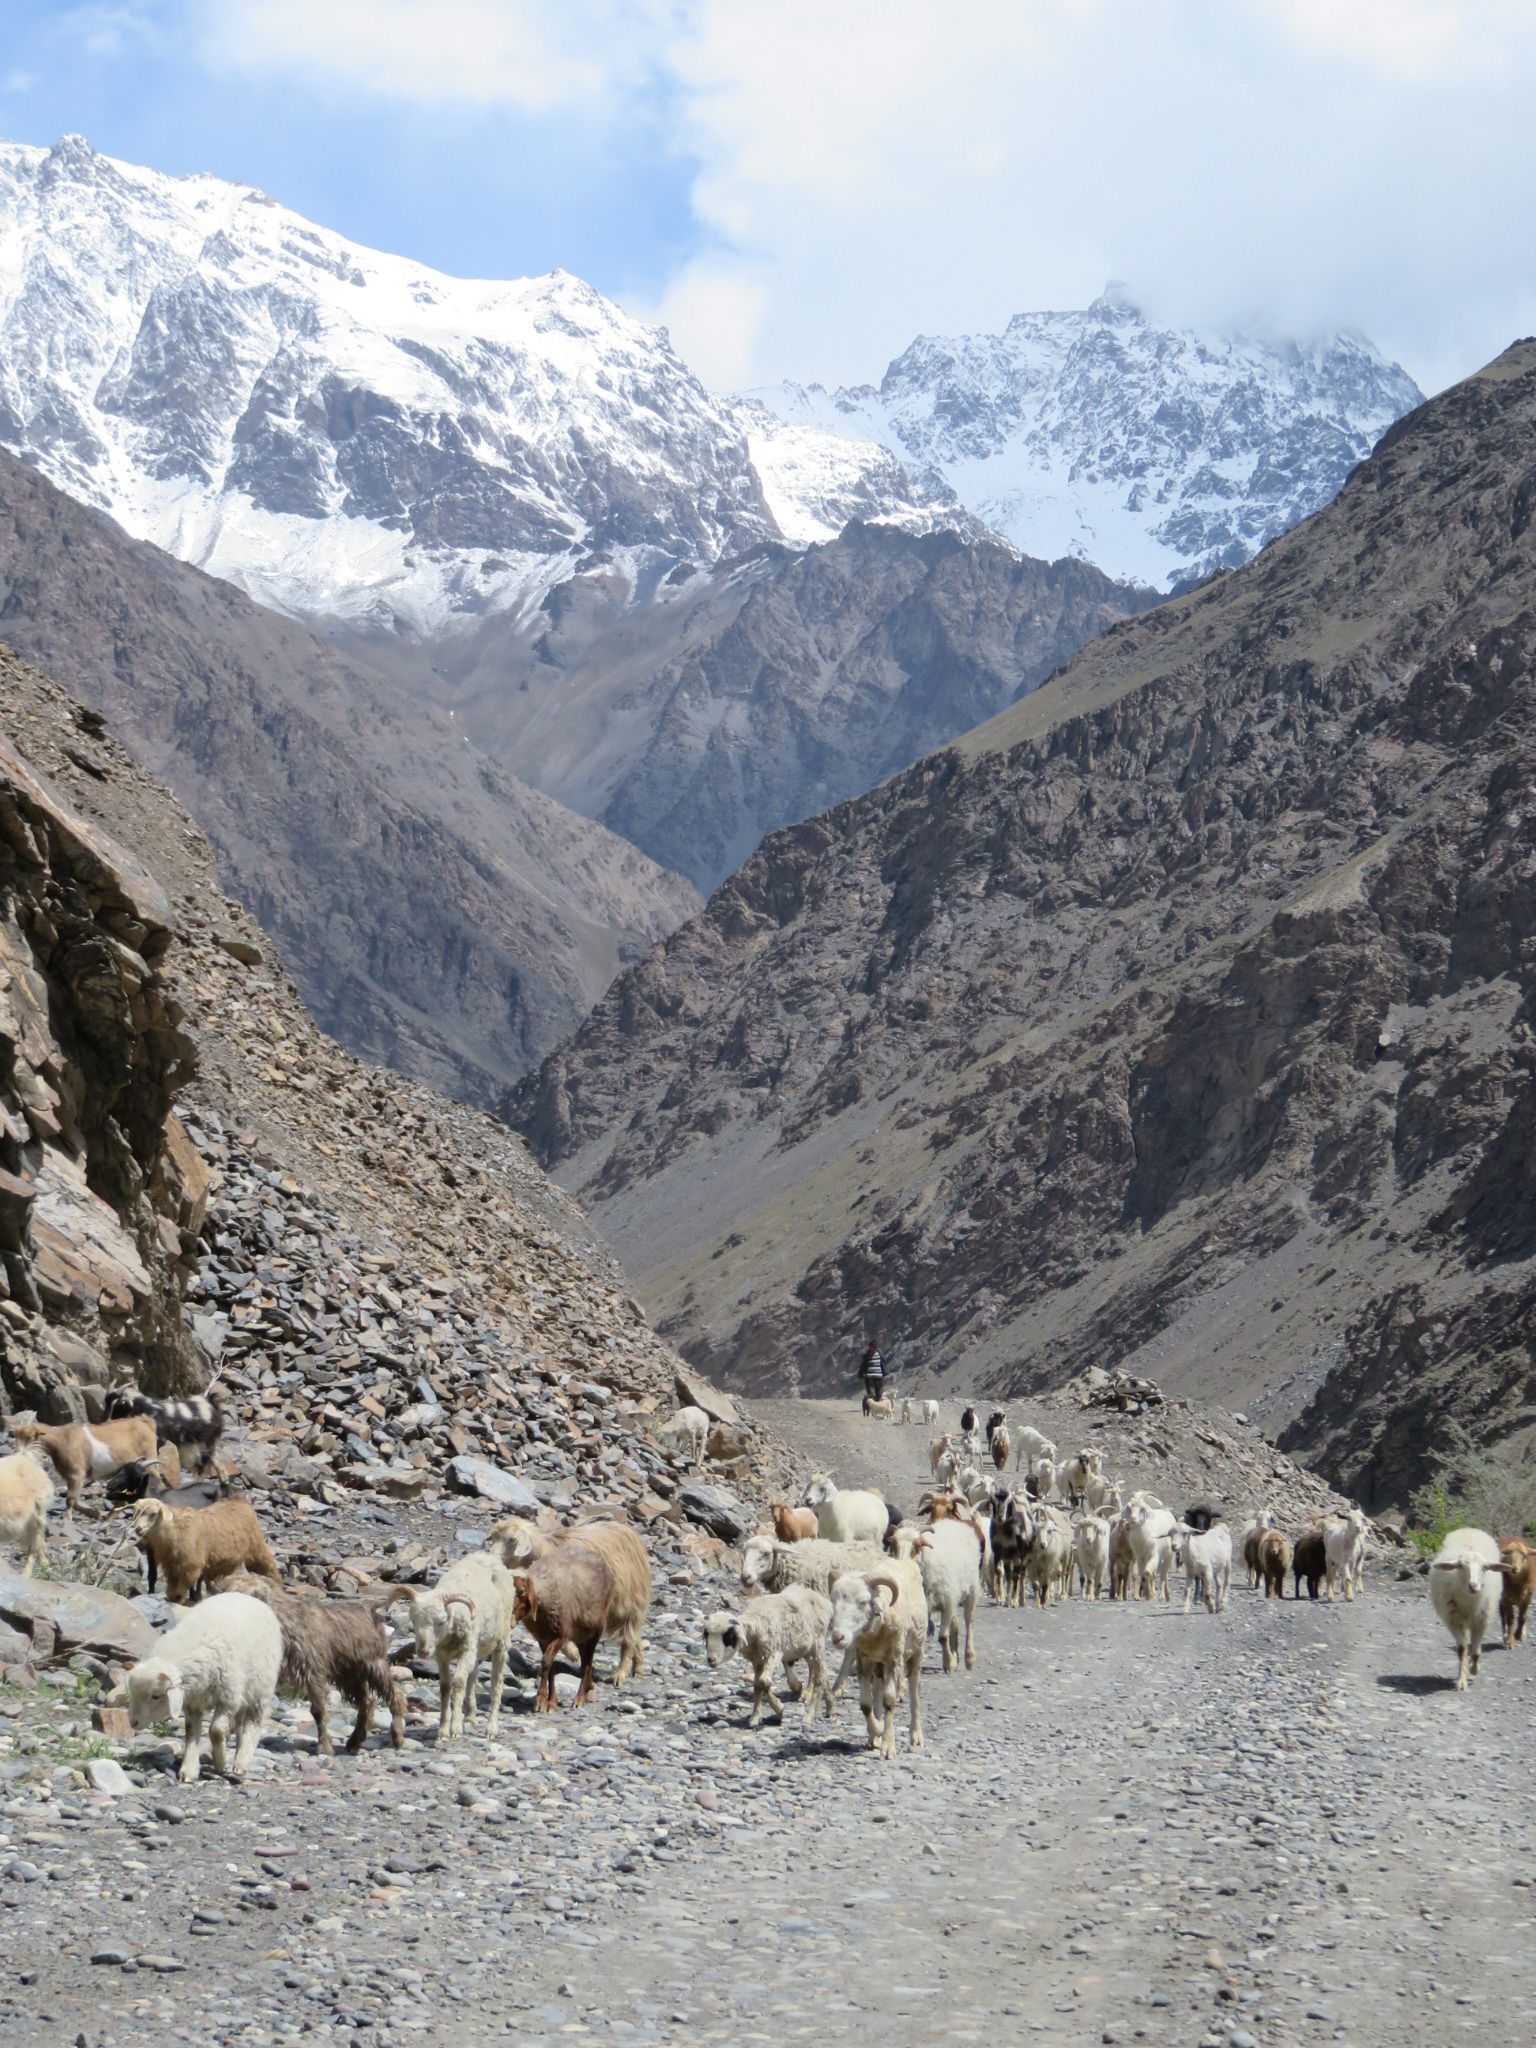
1278,1827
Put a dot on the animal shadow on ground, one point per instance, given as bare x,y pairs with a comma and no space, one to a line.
1420,1683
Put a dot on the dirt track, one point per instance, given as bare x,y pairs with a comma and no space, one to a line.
1279,1826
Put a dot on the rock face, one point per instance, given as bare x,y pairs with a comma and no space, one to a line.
768,692
101,1194
1157,453
438,913
1179,1020
383,1279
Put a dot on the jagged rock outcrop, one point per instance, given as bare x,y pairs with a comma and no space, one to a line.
1180,1019
101,1192
437,913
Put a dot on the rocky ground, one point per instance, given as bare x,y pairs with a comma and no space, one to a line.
1277,1827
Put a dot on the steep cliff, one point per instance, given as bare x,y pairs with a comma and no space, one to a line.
1180,1018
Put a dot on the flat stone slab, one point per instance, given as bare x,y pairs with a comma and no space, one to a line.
82,1617
716,1510
480,1477
694,1391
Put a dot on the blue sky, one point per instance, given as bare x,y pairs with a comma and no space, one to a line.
797,187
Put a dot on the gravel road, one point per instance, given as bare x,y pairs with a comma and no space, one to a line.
1278,1826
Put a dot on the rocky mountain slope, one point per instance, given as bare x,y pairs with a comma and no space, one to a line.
351,434
1179,1018
1157,453
768,691
437,913
192,1172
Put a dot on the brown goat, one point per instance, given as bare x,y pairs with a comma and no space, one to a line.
337,1643
1274,1562
79,1451
1122,1561
192,1546
564,1597
1519,1561
792,1525
1309,1560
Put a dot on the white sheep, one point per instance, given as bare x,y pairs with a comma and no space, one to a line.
949,1562
880,1622
25,1491
1465,1581
774,1632
464,1618
1207,1563
1090,1549
689,1426
846,1515
770,1566
1344,1551
216,1669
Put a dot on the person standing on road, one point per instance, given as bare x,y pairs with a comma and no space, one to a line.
872,1372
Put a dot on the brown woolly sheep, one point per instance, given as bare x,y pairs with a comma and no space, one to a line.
1274,1562
194,1545
564,1597
520,1543
1519,1562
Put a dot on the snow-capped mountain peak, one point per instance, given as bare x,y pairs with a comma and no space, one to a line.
1157,453
351,433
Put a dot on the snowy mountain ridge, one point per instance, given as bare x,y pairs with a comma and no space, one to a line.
1157,453
348,433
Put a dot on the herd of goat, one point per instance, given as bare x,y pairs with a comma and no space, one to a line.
842,1569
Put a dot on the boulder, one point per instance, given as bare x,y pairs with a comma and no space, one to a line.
104,1775
78,1617
716,1510
468,1474
694,1391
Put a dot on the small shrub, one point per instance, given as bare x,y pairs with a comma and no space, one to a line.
1472,1488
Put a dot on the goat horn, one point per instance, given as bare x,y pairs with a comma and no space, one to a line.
400,1593
458,1600
885,1579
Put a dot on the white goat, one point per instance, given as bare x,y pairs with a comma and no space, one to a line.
464,1618
949,1560
880,1622
773,1632
1084,1466
25,1491
1465,1581
689,1426
846,1516
1049,1563
930,1411
216,1669
1091,1553
1150,1530
1207,1563
1344,1551
940,1448
1030,1447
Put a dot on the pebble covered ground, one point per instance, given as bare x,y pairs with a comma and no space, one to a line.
1275,1827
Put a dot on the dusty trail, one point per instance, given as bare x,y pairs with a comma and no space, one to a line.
1275,1827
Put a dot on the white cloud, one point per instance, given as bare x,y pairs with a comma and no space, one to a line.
106,31
20,81
526,54
869,169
